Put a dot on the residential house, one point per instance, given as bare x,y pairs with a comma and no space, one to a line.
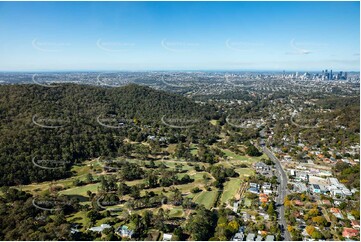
298,203
260,166
270,238
350,216
253,190
301,176
263,198
350,232
125,232
355,224
326,202
315,188
336,212
250,237
238,236
266,185
253,185
267,188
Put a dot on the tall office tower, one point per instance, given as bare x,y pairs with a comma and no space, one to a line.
331,77
345,75
327,75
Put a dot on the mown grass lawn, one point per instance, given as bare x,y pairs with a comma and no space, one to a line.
230,189
207,198
243,172
81,218
176,212
243,158
194,149
82,190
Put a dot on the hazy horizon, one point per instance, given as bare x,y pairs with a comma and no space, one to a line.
179,36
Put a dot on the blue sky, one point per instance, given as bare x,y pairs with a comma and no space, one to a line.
98,36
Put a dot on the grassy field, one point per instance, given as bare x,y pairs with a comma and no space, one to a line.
80,172
207,198
230,189
176,212
213,122
242,158
79,217
82,190
194,149
244,172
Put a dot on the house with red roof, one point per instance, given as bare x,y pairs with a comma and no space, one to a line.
349,232
355,224
298,203
263,198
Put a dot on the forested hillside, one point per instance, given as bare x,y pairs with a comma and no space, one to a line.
71,123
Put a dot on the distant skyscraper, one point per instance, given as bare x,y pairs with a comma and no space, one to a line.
331,77
327,75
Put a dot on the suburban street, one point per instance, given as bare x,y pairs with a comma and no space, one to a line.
282,192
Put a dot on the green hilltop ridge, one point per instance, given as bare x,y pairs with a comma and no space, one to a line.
78,112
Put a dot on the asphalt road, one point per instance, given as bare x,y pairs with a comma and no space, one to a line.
282,192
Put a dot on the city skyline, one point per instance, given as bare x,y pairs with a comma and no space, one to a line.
155,36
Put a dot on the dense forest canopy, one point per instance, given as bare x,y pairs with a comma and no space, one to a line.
42,126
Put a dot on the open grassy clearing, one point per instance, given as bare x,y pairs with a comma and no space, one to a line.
214,122
176,211
82,190
207,198
241,159
171,148
79,217
79,171
194,149
244,172
230,189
